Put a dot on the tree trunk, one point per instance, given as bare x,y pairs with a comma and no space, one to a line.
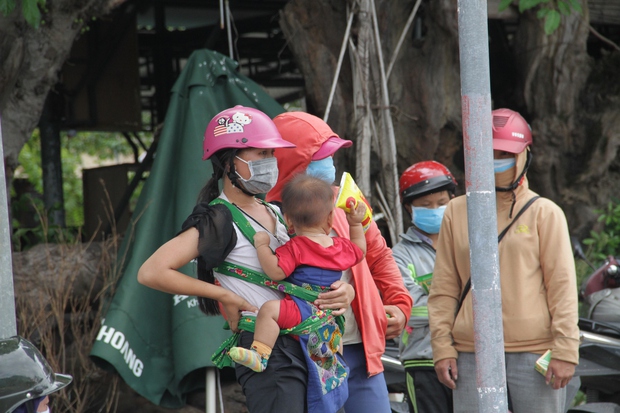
360,62
51,164
574,108
29,63
571,100
420,116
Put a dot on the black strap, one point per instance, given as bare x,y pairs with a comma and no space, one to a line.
499,239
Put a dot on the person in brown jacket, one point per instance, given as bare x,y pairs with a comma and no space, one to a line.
539,291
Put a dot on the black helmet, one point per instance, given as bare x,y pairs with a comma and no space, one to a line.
24,374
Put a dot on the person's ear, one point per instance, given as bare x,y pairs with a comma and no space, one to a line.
288,221
330,219
408,208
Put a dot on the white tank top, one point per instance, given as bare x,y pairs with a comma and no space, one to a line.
244,254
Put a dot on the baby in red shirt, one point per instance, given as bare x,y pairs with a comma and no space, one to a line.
312,257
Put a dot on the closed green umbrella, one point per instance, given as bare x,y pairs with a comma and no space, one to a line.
160,344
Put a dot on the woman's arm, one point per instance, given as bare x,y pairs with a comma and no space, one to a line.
387,277
160,271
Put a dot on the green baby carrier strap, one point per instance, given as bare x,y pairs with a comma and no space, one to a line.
318,319
241,221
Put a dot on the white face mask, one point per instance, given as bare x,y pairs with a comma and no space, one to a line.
263,175
47,410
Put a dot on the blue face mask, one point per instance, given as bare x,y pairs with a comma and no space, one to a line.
323,169
502,165
427,219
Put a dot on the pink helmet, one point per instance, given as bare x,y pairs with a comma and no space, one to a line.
241,127
511,133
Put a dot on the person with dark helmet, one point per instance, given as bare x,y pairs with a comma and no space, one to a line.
538,285
26,378
425,190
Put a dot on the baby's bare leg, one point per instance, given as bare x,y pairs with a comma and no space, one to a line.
267,329
265,335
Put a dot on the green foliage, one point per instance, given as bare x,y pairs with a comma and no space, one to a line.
552,21
25,238
580,398
98,148
549,10
606,241
30,10
7,6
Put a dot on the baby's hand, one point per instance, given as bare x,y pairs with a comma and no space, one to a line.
261,238
356,215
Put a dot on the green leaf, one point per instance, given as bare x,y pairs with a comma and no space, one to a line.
527,4
552,21
30,8
542,13
576,5
503,4
564,8
7,6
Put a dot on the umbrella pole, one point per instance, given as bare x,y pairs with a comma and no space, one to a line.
210,406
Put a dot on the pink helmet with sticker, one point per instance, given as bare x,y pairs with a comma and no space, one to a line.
241,127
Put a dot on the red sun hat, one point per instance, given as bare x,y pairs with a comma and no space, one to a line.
511,133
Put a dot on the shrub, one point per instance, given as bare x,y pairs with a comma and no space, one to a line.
605,242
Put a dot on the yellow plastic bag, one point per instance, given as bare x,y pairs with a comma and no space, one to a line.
350,192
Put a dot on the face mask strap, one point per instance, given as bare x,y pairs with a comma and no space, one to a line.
233,176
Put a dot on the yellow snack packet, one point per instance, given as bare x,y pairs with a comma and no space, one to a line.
543,363
350,192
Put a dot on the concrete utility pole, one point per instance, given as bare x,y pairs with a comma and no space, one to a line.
8,326
481,210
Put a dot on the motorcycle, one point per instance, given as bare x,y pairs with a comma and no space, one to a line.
599,350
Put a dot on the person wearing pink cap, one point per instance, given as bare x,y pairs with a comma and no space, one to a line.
218,234
539,290
382,303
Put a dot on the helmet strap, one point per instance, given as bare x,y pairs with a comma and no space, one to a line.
232,174
519,179
516,183
217,165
